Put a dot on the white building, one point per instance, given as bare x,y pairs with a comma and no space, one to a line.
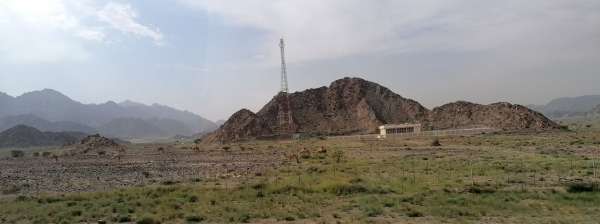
399,129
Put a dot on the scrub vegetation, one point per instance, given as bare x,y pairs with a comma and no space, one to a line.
492,178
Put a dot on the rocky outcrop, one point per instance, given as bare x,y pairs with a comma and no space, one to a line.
504,116
242,125
98,145
357,106
97,141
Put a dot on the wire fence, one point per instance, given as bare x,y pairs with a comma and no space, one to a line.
449,132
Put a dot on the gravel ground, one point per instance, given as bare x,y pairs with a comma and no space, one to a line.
139,166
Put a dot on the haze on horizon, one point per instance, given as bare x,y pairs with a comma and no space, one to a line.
214,57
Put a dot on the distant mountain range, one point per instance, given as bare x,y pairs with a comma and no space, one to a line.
42,124
22,136
50,110
570,107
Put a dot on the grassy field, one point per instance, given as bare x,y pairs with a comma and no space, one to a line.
494,178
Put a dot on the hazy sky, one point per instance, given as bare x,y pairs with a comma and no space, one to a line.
214,57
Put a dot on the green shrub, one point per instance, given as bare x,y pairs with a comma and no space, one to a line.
147,220
414,214
194,218
291,189
17,153
581,187
193,198
76,213
346,189
373,211
244,218
481,190
436,142
338,155
123,219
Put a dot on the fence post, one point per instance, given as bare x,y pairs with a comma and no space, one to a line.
471,170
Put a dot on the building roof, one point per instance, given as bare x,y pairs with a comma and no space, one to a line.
405,125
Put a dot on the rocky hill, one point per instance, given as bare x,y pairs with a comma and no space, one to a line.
347,106
498,115
357,106
22,136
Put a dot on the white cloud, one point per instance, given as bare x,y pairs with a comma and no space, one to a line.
95,35
57,30
317,29
122,17
39,31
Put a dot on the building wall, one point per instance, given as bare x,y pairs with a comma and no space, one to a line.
399,129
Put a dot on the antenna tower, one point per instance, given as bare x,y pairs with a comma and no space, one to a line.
284,82
285,111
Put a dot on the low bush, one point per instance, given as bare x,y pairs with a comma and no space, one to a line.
414,214
373,211
193,199
11,189
290,189
123,219
76,213
243,218
17,153
582,187
346,189
436,142
147,220
194,218
481,190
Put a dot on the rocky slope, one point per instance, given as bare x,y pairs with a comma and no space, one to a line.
357,106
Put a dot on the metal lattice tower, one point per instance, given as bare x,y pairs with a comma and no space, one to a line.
284,116
284,82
